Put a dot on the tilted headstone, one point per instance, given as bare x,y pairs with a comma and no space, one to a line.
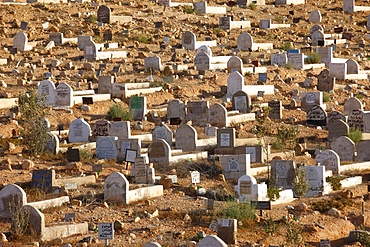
316,116
325,83
235,166
79,131
241,101
163,132
106,147
217,115
344,147
138,107
11,195
43,179
198,112
363,150
188,40
159,152
330,159
352,104
63,95
337,128
186,138
282,173
116,188
235,83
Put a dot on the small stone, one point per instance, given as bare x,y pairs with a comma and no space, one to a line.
76,202
334,212
67,245
118,225
105,204
27,164
3,238
187,218
3,84
302,206
132,235
91,226
136,219
85,108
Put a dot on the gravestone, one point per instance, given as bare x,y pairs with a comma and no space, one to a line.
227,230
101,128
325,82
175,111
330,159
235,166
235,64
352,67
248,190
266,23
352,104
46,92
211,241
79,131
315,28
245,41
337,128
224,22
241,101
106,147
344,147
140,170
36,219
226,138
217,115
296,59
20,42
163,132
105,84
338,70
210,130
121,129
368,22
90,50
186,138
104,14
326,54
159,152
198,112
152,244
257,152
205,49
275,109
235,83
315,176
356,120
335,115
309,99
318,38
82,40
315,16
138,107
282,173
363,150
43,179
52,143
188,40
316,116
73,155
152,63
116,187
279,59
202,61
63,95
348,6
129,144
11,195
57,38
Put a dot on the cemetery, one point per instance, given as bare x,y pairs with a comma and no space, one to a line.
188,123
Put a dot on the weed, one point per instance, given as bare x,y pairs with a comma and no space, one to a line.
217,30
142,38
33,112
313,57
339,202
19,218
86,155
117,111
294,234
355,135
300,184
92,18
279,19
287,46
273,192
326,97
189,10
359,96
289,65
270,226
253,6
334,182
287,135
271,36
234,210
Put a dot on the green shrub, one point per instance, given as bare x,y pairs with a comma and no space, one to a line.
142,38
313,57
273,193
294,234
253,6
289,65
270,226
189,10
355,135
279,19
326,97
300,184
286,135
19,218
117,111
287,46
86,155
234,210
334,182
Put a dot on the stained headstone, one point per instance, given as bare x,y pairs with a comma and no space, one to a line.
175,111
198,112
188,40
163,132
57,38
152,63
202,61
90,50
79,131
235,64
11,195
316,116
186,138
224,22
104,14
330,159
344,147
352,104
159,152
235,166
282,173
352,67
217,115
63,95
205,49
325,82
349,6
241,101
138,107
101,128
116,187
43,179
275,109
315,28
245,42
227,230
46,92
356,120
310,99
318,38
106,147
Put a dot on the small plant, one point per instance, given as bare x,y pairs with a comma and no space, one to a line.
217,30
287,46
287,135
294,234
271,36
189,10
279,19
270,226
86,155
300,184
92,18
117,111
334,182
19,218
359,96
326,97
289,65
234,210
313,57
355,135
253,6
142,38
273,192
339,202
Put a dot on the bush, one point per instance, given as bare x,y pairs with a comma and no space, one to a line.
253,6
300,184
286,135
117,111
33,112
189,10
234,210
294,234
355,135
326,97
289,65
334,182
313,57
143,38
287,46
19,218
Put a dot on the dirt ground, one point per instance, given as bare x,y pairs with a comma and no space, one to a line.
171,227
